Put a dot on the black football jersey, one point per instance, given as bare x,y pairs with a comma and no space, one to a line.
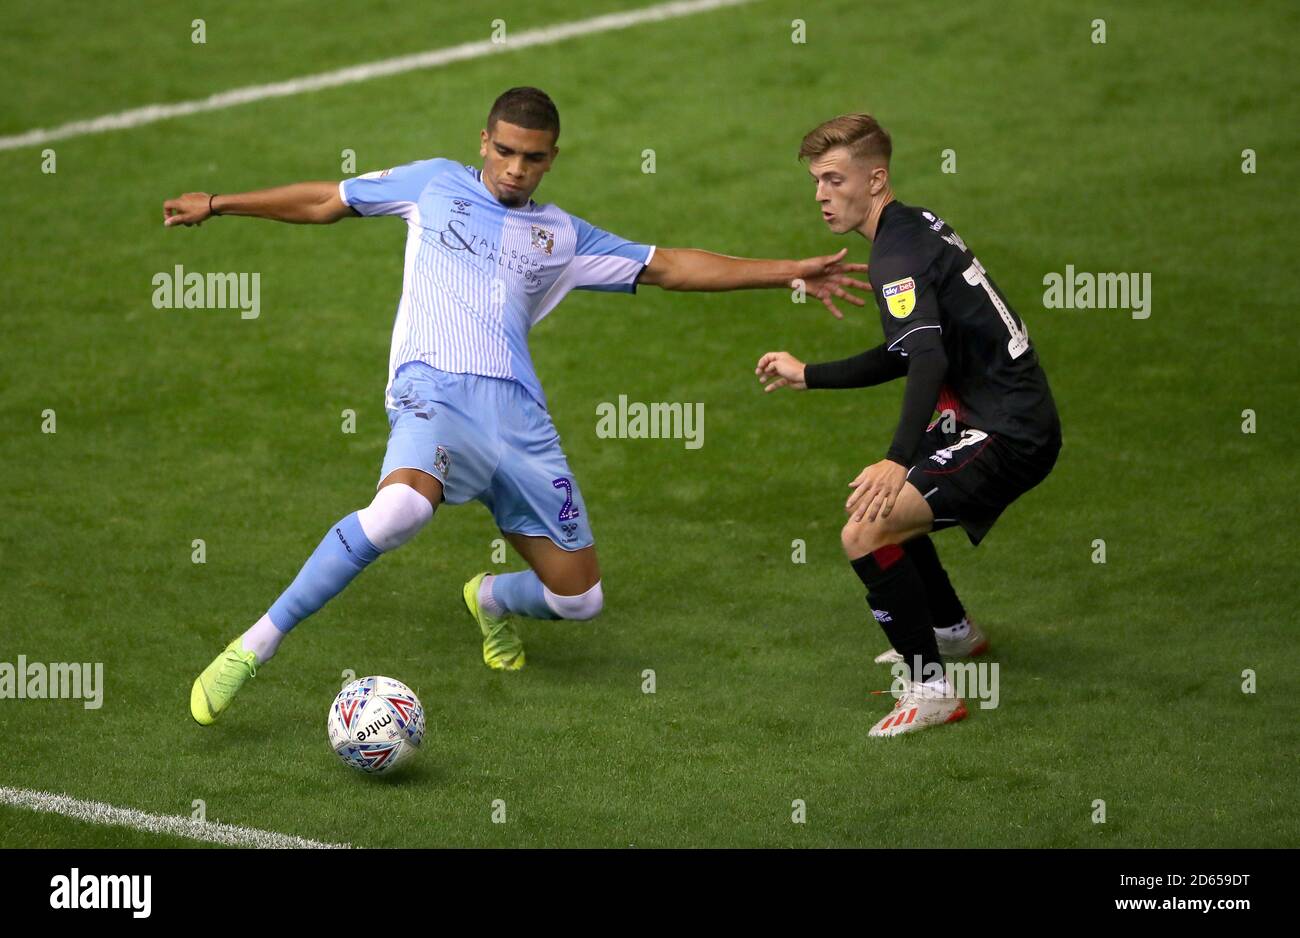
926,278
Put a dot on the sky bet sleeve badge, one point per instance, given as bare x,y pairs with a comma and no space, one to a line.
900,296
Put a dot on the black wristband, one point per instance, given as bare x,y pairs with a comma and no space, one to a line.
212,211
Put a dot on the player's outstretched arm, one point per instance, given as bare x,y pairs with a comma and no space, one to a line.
302,203
688,269
865,370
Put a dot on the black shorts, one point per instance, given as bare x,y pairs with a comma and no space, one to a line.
969,476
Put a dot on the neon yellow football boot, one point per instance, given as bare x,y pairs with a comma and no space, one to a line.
502,649
216,687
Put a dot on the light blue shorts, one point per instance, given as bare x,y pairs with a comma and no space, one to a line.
486,439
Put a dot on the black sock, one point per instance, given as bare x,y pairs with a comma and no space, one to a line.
896,593
945,608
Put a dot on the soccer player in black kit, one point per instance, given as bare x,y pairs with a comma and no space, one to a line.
964,352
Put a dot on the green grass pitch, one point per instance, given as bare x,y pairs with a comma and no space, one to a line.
1119,681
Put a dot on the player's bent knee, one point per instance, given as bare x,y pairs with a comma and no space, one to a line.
861,539
855,539
396,514
583,606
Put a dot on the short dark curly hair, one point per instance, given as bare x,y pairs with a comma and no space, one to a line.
526,107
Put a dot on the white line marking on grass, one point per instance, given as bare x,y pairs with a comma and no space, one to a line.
96,812
543,36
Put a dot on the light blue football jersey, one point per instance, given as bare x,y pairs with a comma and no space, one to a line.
478,275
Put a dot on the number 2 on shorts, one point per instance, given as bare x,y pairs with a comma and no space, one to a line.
567,511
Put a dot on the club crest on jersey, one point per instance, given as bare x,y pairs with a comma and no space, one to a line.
900,297
442,461
543,240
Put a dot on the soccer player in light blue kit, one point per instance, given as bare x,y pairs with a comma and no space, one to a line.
484,263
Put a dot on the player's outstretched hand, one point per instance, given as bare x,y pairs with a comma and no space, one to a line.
780,369
189,209
875,490
826,278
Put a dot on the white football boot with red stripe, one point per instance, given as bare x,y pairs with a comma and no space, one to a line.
920,706
970,645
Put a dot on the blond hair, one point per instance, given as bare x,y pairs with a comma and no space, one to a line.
865,138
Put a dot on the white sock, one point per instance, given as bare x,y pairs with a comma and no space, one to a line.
953,633
939,687
262,639
486,601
